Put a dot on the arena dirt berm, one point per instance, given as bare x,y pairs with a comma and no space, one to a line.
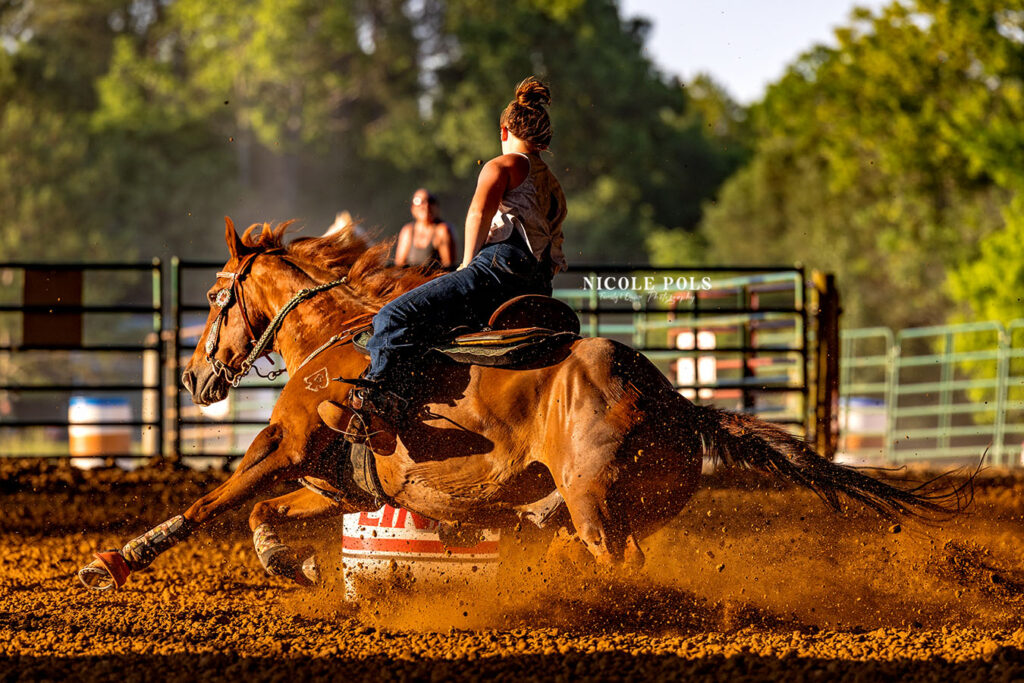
751,581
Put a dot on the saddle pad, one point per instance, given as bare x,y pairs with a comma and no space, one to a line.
500,348
361,339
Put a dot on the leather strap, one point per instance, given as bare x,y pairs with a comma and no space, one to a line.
364,474
363,470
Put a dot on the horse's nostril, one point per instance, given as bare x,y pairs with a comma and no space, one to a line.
189,380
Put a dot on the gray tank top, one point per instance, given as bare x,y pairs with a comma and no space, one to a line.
419,256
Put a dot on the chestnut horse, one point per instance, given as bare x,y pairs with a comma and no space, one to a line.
597,425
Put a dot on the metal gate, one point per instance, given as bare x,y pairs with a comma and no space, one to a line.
741,338
81,359
934,393
732,336
223,430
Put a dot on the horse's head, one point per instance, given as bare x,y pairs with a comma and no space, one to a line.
231,328
253,287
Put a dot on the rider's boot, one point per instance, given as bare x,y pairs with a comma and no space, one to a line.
373,416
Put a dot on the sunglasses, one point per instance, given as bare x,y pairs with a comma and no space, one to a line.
420,201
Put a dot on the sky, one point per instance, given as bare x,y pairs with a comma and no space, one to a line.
743,44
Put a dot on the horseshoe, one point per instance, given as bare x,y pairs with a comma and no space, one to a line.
107,572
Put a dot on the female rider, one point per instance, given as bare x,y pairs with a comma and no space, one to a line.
513,246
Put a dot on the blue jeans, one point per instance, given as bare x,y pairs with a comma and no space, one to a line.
405,328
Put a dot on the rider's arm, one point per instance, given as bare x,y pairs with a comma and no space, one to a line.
404,244
445,245
490,187
498,175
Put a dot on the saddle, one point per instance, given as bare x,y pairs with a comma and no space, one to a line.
522,330
514,337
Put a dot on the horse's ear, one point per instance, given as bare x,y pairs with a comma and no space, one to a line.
235,245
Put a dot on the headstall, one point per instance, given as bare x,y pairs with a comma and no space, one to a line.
224,298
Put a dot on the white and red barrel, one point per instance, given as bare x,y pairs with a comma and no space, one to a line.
90,443
395,546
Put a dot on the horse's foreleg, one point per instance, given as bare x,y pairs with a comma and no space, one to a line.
278,558
264,462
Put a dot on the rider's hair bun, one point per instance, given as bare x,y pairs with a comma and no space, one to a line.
526,116
532,93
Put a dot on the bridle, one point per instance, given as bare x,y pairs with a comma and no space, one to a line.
225,297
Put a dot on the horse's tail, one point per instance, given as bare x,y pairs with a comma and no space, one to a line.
748,441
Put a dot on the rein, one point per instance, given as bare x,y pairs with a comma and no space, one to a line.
229,295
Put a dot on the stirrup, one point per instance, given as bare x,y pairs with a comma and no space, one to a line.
357,428
370,397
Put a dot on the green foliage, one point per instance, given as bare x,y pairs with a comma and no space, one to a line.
993,282
887,159
172,114
49,181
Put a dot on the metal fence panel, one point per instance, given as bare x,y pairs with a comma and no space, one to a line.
949,392
758,316
81,360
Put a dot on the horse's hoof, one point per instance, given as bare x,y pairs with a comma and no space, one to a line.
311,570
107,572
282,560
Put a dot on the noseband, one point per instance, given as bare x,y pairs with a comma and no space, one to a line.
223,300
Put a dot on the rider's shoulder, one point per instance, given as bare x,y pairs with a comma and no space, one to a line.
508,161
514,167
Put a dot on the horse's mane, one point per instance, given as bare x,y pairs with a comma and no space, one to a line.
343,254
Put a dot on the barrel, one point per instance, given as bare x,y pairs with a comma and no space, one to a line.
89,444
394,548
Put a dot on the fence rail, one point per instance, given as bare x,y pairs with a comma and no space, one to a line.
934,393
65,329
759,320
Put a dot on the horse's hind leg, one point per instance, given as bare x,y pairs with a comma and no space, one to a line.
585,480
619,495
585,508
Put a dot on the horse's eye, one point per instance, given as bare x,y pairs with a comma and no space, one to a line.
211,297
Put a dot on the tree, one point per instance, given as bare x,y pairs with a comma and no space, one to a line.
179,111
51,171
870,159
629,157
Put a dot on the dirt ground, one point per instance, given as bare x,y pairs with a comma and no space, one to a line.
752,582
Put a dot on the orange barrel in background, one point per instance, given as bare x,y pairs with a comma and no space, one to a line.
90,444
393,546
